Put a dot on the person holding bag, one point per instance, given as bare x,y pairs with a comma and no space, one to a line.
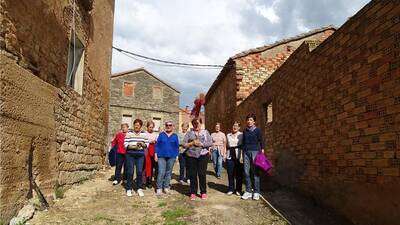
197,142
252,144
135,143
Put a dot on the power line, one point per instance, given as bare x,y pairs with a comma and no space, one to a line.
168,63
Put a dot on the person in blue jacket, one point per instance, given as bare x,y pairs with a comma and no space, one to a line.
252,143
167,150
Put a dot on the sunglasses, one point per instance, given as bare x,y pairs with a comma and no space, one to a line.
168,125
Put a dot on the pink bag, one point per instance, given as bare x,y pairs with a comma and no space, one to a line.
262,162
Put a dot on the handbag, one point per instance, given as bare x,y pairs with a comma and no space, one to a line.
261,161
112,156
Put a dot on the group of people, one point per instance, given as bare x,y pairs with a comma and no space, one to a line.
155,154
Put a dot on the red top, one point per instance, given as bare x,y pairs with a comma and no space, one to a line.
119,141
197,107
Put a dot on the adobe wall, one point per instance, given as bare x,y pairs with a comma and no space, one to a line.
65,131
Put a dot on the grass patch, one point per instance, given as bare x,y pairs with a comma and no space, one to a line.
162,204
101,217
82,180
59,192
174,216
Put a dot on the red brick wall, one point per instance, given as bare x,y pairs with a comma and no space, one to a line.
336,125
254,69
220,107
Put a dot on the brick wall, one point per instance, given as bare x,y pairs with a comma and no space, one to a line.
65,131
255,68
246,71
336,117
220,106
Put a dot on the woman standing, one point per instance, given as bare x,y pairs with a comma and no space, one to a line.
167,149
135,143
183,169
121,151
197,142
252,144
149,162
233,160
218,150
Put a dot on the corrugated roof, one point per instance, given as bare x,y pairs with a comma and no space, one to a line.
146,71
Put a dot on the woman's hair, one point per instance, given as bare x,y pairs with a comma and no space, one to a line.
138,121
150,122
219,124
251,115
185,124
196,119
236,122
125,124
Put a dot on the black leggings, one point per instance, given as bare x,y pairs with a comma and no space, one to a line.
197,173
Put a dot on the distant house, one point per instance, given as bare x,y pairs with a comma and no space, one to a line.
141,94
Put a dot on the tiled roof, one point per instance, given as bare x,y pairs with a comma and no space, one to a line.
283,41
231,60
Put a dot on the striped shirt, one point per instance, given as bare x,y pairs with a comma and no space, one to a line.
133,138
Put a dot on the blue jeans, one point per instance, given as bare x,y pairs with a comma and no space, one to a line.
118,167
251,172
132,161
217,162
183,171
165,165
235,175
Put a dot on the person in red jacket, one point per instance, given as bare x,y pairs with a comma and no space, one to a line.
121,151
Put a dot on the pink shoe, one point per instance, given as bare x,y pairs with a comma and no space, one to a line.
192,197
204,196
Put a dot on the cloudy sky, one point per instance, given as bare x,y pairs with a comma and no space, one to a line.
210,31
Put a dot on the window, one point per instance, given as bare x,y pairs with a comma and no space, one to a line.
127,119
76,61
157,92
157,123
269,113
128,89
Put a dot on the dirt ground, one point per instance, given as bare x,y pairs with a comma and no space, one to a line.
98,202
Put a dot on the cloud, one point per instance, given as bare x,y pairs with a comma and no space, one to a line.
209,32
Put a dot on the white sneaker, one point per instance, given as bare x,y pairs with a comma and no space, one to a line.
188,181
181,182
238,193
256,196
229,193
129,193
140,193
246,195
167,191
115,182
159,191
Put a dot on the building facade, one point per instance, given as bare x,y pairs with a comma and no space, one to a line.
330,116
55,61
141,94
246,71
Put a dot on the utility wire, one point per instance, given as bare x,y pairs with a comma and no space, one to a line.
168,63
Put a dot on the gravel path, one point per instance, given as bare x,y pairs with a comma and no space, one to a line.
98,202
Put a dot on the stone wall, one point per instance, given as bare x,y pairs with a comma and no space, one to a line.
39,114
141,105
336,117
